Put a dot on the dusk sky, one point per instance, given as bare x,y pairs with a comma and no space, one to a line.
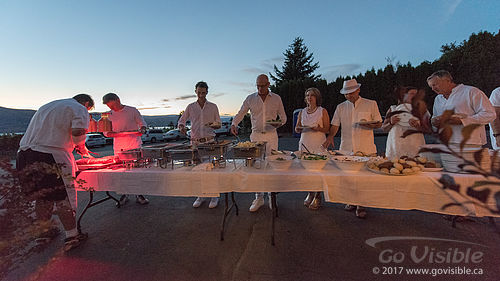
151,53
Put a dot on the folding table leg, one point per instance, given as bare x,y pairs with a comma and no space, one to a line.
227,210
274,215
91,204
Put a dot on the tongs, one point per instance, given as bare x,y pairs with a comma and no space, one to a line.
309,152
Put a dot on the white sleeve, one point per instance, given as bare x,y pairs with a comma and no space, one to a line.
336,117
184,117
484,112
241,113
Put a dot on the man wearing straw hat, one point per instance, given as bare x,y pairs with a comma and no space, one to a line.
358,117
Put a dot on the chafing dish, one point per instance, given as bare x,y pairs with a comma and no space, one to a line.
188,155
130,155
256,151
212,149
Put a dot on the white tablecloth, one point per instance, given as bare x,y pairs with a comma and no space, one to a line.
421,191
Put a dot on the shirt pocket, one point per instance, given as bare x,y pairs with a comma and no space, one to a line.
363,116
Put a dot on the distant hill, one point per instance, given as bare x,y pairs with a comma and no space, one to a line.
17,120
14,120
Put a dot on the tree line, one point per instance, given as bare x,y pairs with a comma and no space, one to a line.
475,61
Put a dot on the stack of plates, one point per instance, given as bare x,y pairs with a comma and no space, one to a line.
450,162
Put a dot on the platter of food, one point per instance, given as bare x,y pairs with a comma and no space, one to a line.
213,124
313,162
274,122
280,161
366,122
396,167
349,163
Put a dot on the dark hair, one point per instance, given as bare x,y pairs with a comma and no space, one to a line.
83,98
441,74
315,92
400,91
109,97
201,84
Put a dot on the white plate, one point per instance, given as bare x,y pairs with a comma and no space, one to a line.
366,122
404,119
432,169
459,115
303,127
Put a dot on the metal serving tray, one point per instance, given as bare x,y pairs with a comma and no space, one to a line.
216,149
259,151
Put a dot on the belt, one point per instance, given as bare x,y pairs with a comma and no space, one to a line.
204,139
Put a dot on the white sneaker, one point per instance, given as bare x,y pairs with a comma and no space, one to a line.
197,203
256,204
213,202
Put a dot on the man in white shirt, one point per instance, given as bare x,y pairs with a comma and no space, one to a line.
470,105
495,124
56,129
125,118
204,117
263,105
358,117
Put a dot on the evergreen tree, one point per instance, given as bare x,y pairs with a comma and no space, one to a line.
298,64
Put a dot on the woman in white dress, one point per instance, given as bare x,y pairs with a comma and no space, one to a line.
397,124
313,123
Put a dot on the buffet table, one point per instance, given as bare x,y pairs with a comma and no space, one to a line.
421,191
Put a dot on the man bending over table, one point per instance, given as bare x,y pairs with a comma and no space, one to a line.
56,129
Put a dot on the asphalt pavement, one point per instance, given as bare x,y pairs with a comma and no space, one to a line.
170,240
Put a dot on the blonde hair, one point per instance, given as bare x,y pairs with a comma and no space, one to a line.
316,93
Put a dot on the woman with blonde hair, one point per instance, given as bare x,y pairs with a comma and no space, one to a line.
313,123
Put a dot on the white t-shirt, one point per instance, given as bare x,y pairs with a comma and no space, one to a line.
50,127
199,118
49,131
475,106
355,138
127,119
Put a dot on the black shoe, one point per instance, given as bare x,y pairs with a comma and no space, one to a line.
123,200
139,199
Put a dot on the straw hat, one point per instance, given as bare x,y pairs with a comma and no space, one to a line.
350,86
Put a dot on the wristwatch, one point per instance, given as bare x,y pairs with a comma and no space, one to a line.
496,135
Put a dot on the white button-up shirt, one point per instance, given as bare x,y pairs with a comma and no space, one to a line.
199,118
355,138
476,107
495,101
261,111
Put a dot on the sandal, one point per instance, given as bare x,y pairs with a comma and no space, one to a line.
75,241
349,207
361,212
